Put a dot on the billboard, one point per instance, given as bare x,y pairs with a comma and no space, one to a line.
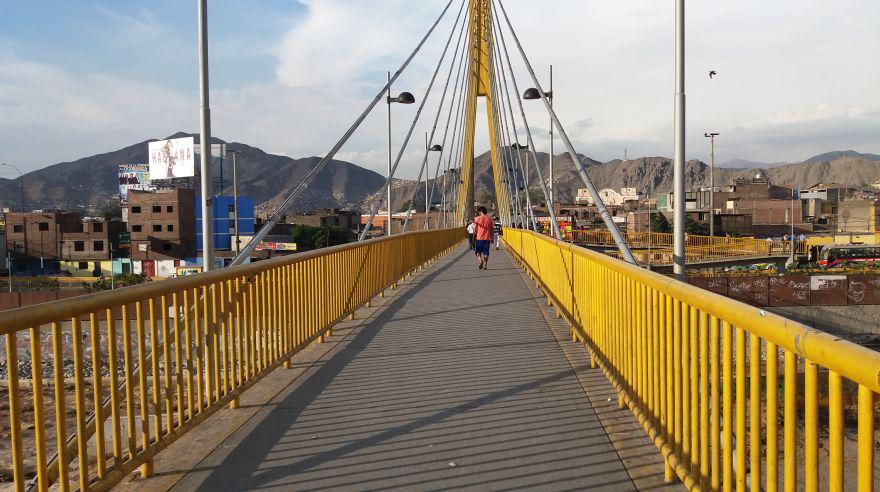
173,158
133,177
275,246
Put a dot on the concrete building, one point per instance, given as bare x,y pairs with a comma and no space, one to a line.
38,234
858,216
609,197
346,219
767,211
223,215
162,224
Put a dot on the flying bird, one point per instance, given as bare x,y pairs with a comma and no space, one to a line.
712,74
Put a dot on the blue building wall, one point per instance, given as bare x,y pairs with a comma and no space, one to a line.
223,214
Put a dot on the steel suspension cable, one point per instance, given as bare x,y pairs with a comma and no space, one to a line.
553,224
458,141
506,151
452,66
412,127
528,201
453,103
505,136
603,211
276,215
498,136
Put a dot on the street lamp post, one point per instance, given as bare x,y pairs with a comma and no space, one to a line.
432,148
20,182
532,94
711,136
403,98
205,139
519,147
678,256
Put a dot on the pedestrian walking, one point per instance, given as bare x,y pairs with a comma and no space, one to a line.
484,227
498,230
471,228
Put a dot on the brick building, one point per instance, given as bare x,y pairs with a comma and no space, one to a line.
162,224
93,241
39,234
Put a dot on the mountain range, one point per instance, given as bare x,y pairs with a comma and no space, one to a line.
90,182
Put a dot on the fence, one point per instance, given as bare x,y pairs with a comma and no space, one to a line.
701,374
697,248
165,356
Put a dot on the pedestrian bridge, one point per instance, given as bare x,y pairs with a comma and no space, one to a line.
396,363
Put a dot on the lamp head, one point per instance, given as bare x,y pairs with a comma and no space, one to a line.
531,93
404,98
436,148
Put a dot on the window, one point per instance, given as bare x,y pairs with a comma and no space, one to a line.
157,209
135,210
98,246
157,227
136,228
170,227
43,226
166,246
18,228
97,227
82,265
79,245
169,209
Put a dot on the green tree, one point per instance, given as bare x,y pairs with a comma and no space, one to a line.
111,211
537,197
695,228
659,223
406,207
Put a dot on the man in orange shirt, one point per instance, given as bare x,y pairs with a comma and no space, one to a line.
483,235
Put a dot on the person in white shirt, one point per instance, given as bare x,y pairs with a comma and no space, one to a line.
471,229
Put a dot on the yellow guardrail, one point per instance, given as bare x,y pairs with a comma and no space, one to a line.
165,356
697,248
701,374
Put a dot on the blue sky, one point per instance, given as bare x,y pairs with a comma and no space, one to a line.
79,78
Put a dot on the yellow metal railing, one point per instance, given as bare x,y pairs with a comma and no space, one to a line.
164,356
697,248
702,375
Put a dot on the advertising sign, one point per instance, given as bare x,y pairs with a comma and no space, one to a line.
133,177
183,271
173,158
274,246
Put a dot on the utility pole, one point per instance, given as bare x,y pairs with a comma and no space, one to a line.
711,136
235,199
388,192
427,204
679,160
205,139
552,198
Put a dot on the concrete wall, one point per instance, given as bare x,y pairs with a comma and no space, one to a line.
851,322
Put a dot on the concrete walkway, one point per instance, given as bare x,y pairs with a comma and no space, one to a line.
458,382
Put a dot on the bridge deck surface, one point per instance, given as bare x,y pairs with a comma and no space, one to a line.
457,382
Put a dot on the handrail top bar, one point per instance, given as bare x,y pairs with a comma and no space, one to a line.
35,315
857,363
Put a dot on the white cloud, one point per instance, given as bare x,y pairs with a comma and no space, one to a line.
792,81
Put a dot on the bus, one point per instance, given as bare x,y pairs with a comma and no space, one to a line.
832,256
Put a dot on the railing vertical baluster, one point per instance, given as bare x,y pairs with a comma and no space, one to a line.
685,386
811,427
60,406
156,378
790,415
835,432
207,336
705,462
39,408
178,355
668,368
715,419
113,369
15,410
727,423
866,439
146,468
695,316
82,439
740,442
676,378
755,411
772,420
167,390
